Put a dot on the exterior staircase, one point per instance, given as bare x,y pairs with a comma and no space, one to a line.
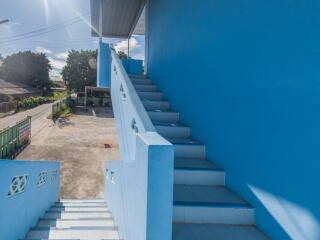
76,219
203,207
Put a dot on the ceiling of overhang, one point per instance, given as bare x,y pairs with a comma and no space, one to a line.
119,17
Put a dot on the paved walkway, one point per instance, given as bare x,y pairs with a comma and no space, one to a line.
81,144
36,113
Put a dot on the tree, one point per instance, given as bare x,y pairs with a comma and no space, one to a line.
27,67
80,70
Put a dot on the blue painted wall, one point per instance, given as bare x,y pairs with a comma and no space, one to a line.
104,60
245,74
133,66
21,211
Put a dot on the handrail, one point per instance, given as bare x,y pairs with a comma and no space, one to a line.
132,94
141,183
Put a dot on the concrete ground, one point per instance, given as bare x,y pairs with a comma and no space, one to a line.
81,144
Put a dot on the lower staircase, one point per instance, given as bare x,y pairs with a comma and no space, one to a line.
76,219
204,207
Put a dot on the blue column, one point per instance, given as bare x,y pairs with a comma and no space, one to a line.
104,62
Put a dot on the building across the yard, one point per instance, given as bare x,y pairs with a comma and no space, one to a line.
15,90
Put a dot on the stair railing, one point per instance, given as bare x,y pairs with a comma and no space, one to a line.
139,187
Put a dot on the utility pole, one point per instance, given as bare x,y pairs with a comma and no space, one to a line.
4,21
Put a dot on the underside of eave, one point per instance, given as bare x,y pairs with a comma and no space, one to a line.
119,17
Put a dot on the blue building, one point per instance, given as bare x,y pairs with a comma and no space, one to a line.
219,135
234,83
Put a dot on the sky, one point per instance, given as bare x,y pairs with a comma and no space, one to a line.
72,32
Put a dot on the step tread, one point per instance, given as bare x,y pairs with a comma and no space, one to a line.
186,231
212,196
162,111
166,124
195,164
59,223
183,141
77,233
81,201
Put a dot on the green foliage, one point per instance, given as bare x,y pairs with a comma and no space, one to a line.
122,55
81,70
32,102
60,95
27,67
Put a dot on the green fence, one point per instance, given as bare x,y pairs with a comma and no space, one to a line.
14,139
56,107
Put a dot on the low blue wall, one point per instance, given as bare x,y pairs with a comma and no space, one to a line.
133,66
245,76
19,212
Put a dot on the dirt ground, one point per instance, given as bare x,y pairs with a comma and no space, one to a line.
81,144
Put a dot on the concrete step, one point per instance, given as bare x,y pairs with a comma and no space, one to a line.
81,201
185,231
162,116
142,81
76,215
197,172
145,88
187,148
177,130
210,204
76,223
78,209
59,204
156,105
156,96
107,233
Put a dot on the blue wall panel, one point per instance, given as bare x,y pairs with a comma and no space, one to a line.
245,75
104,58
133,66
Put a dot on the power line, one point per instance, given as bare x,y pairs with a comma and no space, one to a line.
45,28
40,31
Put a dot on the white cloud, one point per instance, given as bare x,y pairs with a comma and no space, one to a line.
123,45
62,55
57,64
55,75
43,50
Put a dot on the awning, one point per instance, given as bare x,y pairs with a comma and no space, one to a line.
116,18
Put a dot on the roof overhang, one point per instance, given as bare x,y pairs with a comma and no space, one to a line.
116,18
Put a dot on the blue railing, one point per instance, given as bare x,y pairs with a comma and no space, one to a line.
27,190
139,187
